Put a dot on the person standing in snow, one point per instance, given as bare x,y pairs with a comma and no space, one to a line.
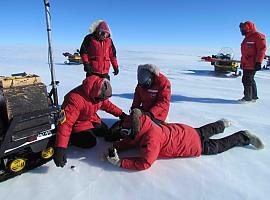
80,123
172,140
253,49
97,51
152,93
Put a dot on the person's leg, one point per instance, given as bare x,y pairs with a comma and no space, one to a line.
215,146
84,139
248,75
254,86
211,129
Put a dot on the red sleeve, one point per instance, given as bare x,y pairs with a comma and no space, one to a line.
111,108
149,151
72,112
113,56
163,100
136,99
83,49
124,144
261,48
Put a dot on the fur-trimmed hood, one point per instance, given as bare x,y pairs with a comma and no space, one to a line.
150,67
94,86
97,23
138,122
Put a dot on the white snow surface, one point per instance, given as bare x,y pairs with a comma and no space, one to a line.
198,97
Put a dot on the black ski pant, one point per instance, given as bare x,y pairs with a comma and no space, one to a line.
250,87
87,138
215,146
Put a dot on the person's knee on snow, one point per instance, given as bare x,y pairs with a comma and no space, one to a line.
84,139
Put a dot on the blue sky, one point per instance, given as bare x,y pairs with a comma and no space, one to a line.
171,23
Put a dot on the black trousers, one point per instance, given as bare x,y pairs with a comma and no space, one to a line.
215,146
250,87
87,138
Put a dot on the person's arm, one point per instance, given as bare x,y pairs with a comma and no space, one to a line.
124,144
109,107
136,99
72,112
149,151
260,48
113,57
163,100
83,49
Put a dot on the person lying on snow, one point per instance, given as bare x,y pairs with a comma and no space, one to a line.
80,124
152,93
172,140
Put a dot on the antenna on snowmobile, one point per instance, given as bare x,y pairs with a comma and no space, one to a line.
50,57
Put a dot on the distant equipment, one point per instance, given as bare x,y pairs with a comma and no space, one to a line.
223,61
73,58
267,65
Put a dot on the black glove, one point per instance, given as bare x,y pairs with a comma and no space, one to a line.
87,67
258,66
122,116
116,71
60,158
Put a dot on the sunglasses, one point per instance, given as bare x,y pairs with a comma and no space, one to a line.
103,34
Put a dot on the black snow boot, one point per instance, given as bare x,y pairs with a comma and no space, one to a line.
254,92
247,94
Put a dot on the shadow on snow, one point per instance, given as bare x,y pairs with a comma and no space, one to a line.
181,98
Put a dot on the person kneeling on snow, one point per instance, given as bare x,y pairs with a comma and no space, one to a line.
172,140
80,124
152,93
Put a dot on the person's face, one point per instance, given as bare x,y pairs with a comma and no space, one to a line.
102,35
243,29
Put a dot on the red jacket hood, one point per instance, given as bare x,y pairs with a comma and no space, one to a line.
100,25
92,86
145,123
250,27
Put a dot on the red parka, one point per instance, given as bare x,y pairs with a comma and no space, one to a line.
156,99
99,53
253,47
81,109
164,141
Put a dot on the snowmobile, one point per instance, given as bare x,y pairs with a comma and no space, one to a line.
223,61
73,58
28,119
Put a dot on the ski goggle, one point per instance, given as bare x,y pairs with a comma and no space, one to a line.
125,132
146,84
102,35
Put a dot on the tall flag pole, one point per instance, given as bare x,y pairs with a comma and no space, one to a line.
50,53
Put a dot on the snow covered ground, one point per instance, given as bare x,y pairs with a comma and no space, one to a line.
198,97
